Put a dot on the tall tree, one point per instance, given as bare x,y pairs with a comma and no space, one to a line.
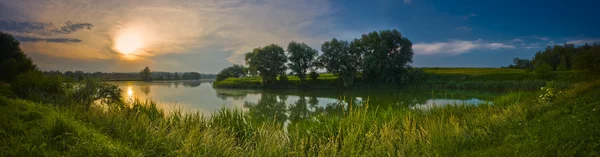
339,59
301,57
12,59
146,74
386,55
269,61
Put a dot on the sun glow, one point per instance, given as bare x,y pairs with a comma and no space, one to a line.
128,42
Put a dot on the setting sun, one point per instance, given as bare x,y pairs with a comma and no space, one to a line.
128,42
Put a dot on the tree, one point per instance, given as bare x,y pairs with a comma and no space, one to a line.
269,61
386,55
301,57
340,60
521,64
13,60
588,59
543,70
168,76
146,75
175,76
232,71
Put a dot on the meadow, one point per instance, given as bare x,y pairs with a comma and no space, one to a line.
520,123
496,79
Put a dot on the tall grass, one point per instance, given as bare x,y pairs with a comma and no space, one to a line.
517,124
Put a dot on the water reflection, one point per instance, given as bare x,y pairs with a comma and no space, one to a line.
289,106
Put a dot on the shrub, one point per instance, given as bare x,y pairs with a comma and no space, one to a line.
543,70
91,90
34,85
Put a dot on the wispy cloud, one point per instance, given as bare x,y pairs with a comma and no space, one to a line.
464,28
407,1
41,27
469,16
540,38
583,41
515,40
50,40
456,47
168,26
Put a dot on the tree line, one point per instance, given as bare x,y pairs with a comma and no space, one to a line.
154,75
562,58
376,57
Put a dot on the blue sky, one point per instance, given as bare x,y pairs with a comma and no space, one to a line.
208,35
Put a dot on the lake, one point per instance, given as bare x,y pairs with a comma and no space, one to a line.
201,97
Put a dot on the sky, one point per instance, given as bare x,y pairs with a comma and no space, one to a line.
208,35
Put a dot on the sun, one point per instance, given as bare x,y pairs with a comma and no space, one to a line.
128,42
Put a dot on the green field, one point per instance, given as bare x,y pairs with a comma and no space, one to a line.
453,78
518,123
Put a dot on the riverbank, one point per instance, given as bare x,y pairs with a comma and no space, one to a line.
496,79
517,123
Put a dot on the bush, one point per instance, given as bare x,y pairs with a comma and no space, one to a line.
34,85
90,91
543,70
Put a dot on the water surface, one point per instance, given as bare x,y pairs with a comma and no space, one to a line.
200,96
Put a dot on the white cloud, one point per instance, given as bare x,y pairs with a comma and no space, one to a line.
464,28
517,40
583,41
540,38
456,47
466,17
407,1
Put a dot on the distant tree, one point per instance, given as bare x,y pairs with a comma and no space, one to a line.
385,55
269,61
232,71
190,76
543,70
588,59
175,76
168,76
146,74
338,59
301,57
521,64
12,59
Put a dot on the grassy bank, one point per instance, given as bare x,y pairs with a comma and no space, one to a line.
517,124
454,78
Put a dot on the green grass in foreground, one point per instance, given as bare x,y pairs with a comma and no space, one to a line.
518,124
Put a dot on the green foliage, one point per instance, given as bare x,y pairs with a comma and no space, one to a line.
146,75
301,57
542,70
569,57
515,124
313,75
90,91
521,64
588,59
12,59
549,92
385,55
269,61
35,86
340,59
234,71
